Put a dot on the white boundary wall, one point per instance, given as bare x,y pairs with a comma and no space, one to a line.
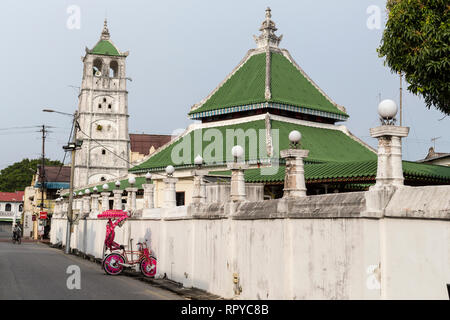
318,247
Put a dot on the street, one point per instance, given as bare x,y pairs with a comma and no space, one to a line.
35,271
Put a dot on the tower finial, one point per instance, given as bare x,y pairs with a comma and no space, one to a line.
267,38
105,32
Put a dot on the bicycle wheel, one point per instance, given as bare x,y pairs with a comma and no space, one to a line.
148,267
112,263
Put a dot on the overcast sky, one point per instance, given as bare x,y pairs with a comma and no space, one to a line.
179,52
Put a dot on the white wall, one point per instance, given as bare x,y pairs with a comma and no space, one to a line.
331,254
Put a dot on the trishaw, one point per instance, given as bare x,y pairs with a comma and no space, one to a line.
115,257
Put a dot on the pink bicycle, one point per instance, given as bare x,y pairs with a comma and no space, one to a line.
119,258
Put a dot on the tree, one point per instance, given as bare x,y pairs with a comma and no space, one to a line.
19,175
416,42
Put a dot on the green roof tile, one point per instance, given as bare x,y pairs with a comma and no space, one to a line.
288,87
324,145
357,171
105,47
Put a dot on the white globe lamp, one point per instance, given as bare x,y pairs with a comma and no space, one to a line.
170,170
105,186
148,176
198,161
294,137
387,109
237,152
131,180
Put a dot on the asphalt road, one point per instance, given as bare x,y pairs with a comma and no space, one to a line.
35,271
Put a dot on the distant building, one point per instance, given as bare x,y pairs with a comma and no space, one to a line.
143,145
439,158
55,178
11,207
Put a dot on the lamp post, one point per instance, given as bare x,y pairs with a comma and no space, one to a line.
72,147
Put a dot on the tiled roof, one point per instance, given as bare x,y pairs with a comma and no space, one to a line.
347,171
142,143
56,173
324,145
112,185
105,47
288,85
12,196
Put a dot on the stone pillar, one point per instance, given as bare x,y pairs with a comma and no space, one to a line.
237,192
149,189
94,205
131,199
65,207
86,204
105,201
199,192
117,199
389,168
294,180
170,192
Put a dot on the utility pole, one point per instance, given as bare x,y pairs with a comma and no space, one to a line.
42,181
72,146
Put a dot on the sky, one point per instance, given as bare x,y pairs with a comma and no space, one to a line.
179,52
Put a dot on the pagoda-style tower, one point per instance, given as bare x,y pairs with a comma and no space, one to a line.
103,115
268,80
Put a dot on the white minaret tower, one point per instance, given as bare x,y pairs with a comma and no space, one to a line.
103,115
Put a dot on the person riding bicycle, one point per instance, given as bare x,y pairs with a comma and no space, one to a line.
17,231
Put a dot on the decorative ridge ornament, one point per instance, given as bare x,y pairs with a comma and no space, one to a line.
105,33
267,38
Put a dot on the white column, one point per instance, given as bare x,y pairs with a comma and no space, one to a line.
117,199
389,168
199,192
294,180
149,189
131,199
237,192
105,201
86,204
170,193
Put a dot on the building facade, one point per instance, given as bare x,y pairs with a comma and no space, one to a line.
103,115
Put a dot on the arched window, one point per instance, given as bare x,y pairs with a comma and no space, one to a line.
8,207
103,151
97,69
114,69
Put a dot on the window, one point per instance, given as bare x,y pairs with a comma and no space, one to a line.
103,151
20,207
8,207
99,105
180,199
102,179
97,69
113,69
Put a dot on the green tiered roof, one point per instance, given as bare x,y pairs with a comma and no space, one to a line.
105,46
348,171
290,90
324,145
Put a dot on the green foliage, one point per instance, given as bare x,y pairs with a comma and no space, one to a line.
19,175
416,42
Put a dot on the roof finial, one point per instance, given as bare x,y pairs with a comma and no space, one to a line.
267,38
105,32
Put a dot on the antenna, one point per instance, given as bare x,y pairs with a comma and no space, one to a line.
433,140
